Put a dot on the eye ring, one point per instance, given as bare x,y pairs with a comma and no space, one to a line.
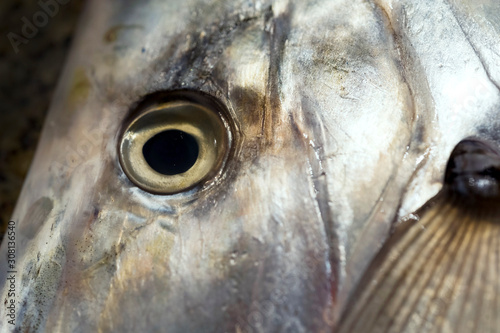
192,132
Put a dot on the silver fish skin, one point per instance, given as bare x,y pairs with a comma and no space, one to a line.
345,114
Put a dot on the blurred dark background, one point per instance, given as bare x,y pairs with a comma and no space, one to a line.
27,82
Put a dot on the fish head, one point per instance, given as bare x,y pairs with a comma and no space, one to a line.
318,123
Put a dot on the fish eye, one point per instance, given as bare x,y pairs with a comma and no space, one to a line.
174,144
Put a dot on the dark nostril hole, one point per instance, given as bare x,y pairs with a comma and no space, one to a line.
171,152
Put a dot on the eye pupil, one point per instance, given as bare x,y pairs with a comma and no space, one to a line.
171,152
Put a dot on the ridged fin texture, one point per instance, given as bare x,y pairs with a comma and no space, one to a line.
439,272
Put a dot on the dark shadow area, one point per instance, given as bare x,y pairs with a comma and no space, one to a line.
34,41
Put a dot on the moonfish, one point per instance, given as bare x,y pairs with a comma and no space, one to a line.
338,171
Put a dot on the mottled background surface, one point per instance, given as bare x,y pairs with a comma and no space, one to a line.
27,82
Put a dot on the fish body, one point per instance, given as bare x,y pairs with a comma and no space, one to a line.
341,117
